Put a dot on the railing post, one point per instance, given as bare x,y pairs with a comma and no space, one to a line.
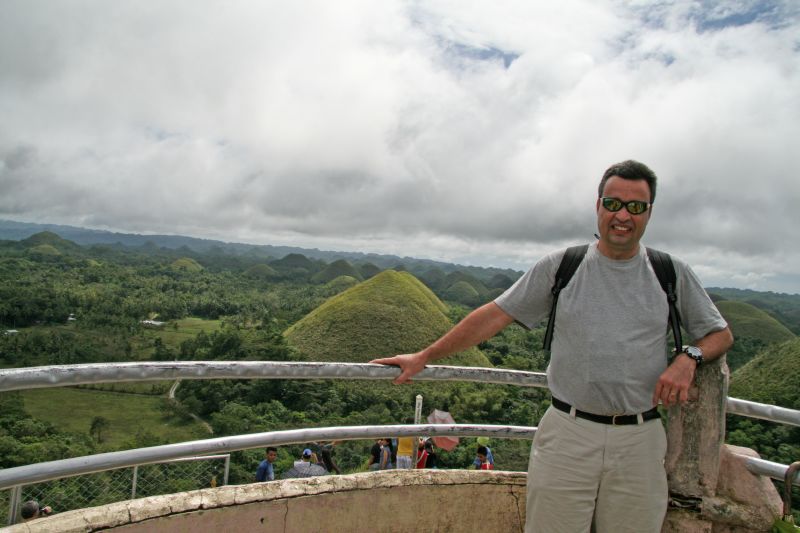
13,504
135,480
416,438
227,469
709,486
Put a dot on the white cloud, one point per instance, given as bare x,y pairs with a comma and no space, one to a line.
400,126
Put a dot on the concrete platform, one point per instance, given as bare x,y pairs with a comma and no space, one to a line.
392,501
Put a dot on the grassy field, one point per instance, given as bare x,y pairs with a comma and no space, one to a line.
187,328
71,409
171,336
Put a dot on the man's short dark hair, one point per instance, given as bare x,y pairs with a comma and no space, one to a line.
630,170
272,449
482,450
29,509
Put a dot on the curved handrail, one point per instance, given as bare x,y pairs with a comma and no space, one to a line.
85,374
773,413
92,373
23,475
35,473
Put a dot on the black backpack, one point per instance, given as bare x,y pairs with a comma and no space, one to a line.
662,266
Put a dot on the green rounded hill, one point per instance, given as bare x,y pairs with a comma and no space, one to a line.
293,261
455,277
341,283
746,320
390,313
335,270
43,249
261,271
186,264
771,376
463,293
368,270
48,238
433,278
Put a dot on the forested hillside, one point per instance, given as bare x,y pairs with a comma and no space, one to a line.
79,304
785,308
753,329
64,303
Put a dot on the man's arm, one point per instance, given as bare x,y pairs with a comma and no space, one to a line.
673,385
478,326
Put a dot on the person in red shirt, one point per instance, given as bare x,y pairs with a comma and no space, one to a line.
422,454
483,459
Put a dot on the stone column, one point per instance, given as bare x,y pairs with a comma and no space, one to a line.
696,432
710,489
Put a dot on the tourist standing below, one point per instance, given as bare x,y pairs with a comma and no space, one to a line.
422,454
489,457
375,455
405,449
326,454
266,470
31,510
599,449
386,454
303,465
482,459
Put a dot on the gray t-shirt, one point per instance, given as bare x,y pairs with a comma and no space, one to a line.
612,321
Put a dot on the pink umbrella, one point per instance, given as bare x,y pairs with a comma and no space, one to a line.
443,417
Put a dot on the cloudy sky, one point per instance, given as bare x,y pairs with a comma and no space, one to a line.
473,132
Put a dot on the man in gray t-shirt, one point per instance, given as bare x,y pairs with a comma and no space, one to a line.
599,450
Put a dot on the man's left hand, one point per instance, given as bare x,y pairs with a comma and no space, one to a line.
673,385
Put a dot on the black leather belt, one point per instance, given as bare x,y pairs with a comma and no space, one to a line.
614,420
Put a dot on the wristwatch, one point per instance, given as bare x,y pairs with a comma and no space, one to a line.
694,352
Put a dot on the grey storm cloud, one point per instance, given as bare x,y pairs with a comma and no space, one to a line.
467,132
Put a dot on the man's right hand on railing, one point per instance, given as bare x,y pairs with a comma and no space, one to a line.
410,364
481,324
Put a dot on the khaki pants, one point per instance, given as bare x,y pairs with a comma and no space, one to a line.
581,470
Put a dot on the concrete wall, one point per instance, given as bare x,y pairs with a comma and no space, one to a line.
396,501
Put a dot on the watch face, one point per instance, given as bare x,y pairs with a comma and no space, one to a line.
694,352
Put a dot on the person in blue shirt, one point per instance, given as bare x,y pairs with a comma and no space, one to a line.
265,471
489,458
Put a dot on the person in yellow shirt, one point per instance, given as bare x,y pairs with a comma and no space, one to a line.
405,449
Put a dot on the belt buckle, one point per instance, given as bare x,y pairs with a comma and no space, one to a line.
614,420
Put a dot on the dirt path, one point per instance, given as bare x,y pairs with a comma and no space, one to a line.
171,396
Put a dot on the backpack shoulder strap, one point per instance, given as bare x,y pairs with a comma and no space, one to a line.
569,264
665,272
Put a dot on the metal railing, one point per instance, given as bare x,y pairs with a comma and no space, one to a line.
85,374
58,376
96,488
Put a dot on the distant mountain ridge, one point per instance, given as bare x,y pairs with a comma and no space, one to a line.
17,231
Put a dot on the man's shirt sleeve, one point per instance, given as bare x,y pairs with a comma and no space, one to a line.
529,299
699,315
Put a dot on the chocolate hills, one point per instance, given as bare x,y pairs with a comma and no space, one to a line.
753,330
771,376
338,268
748,320
390,313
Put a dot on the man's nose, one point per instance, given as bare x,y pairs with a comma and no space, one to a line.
622,215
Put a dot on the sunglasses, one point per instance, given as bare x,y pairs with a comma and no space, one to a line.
634,207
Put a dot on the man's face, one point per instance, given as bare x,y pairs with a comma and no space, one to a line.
481,458
272,456
620,232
